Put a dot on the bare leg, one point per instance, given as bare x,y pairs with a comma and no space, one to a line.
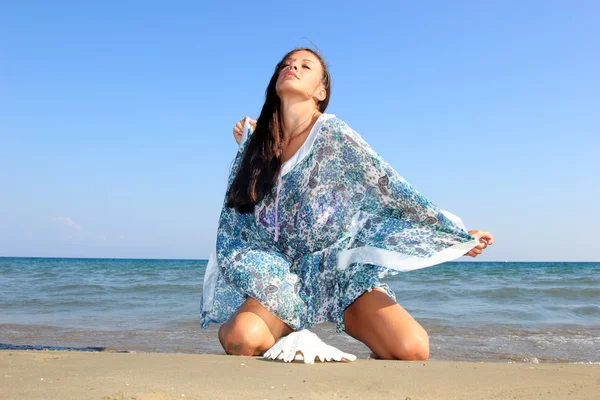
386,328
252,330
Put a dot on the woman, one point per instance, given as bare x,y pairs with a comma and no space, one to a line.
313,218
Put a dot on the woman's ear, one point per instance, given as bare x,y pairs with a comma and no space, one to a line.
321,93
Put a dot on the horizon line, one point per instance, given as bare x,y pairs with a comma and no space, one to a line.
206,259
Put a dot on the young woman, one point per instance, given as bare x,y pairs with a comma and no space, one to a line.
312,219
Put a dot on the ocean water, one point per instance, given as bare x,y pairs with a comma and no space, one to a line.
473,311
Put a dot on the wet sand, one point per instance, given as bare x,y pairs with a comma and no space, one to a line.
152,376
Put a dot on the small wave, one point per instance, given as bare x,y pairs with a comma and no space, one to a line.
587,362
525,292
164,288
78,288
6,346
591,310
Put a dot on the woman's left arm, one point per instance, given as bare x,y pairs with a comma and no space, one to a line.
397,224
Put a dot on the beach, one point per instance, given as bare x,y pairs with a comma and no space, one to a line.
112,329
151,376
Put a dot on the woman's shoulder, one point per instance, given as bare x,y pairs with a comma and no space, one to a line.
333,120
340,129
335,124
347,140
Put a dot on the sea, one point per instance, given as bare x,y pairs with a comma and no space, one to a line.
513,312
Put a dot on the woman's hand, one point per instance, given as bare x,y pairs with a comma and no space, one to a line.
484,238
237,129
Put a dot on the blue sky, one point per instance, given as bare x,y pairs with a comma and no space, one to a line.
116,117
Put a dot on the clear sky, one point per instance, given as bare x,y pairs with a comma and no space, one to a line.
116,116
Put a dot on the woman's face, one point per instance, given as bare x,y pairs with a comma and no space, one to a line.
301,74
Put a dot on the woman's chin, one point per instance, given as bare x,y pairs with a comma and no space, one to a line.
290,91
286,85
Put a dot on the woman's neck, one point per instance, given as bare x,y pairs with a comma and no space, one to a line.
297,117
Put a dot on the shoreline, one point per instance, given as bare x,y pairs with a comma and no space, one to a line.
555,345
17,348
166,376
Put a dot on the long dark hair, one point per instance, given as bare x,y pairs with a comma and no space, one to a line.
262,159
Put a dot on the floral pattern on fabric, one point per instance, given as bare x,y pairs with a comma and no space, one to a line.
341,196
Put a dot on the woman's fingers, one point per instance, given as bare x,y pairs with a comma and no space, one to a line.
485,235
240,123
484,238
237,130
474,252
488,237
237,134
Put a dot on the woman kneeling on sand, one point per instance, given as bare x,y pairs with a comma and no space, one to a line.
313,219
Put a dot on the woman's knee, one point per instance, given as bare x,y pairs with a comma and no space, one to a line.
245,335
386,328
412,348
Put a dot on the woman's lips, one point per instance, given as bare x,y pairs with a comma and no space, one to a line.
290,74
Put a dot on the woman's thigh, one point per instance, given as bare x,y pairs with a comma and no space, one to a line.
386,328
252,330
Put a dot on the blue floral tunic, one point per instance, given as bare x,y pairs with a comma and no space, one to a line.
339,219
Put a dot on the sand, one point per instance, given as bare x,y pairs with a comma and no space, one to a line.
127,376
